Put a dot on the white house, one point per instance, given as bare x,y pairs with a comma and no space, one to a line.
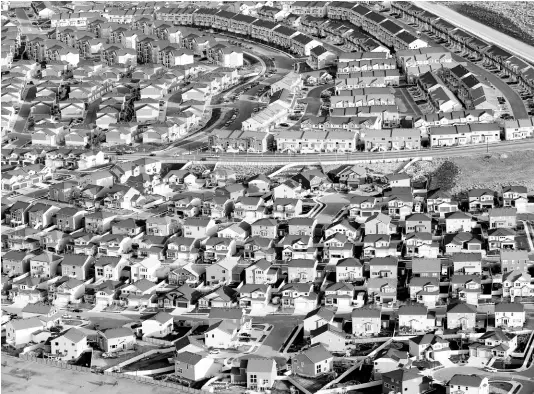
70,345
158,325
19,331
146,269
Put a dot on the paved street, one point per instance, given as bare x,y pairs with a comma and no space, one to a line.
484,32
502,147
26,26
445,374
516,104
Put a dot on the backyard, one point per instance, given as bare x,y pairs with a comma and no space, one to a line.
154,361
499,387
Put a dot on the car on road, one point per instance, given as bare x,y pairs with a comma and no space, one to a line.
215,351
77,311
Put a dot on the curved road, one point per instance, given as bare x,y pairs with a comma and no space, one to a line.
514,101
527,382
478,29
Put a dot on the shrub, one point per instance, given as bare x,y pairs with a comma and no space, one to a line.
444,177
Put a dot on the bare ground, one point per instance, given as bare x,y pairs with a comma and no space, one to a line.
45,379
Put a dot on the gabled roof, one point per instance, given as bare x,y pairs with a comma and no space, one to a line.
415,309
327,328
349,262
461,308
366,312
260,365
317,353
161,317
509,307
420,265
323,313
403,375
75,335
188,358
118,332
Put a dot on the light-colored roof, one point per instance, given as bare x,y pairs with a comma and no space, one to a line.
117,332
75,335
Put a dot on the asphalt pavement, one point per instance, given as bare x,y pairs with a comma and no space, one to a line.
502,147
516,104
482,31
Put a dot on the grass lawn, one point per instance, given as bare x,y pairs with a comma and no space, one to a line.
500,385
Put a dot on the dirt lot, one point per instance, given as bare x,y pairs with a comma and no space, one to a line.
45,379
486,171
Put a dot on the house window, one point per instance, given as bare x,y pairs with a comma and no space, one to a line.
179,370
253,379
318,369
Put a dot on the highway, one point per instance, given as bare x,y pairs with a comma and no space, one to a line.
478,29
502,147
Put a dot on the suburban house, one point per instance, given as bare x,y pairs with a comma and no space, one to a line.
312,362
116,339
404,380
317,318
471,384
461,316
508,315
416,318
366,321
193,367
69,346
261,373
159,325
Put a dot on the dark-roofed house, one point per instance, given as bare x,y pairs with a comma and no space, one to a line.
193,367
77,266
404,381
313,362
427,346
317,318
320,57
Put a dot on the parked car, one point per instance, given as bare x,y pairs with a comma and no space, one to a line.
215,351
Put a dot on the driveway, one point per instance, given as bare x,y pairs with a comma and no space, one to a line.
446,374
514,101
282,328
484,32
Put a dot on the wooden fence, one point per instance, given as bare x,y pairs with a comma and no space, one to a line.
141,379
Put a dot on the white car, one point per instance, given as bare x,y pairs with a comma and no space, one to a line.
215,351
